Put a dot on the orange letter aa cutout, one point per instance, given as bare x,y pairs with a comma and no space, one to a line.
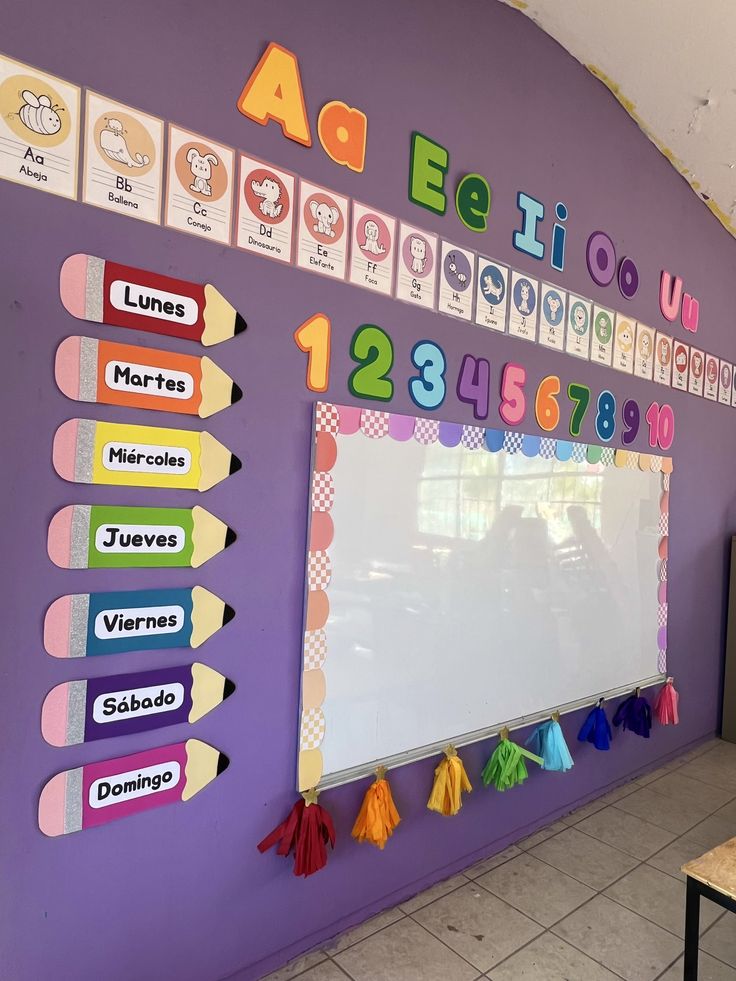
343,132
274,91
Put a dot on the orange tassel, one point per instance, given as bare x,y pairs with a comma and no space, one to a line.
378,816
450,780
665,705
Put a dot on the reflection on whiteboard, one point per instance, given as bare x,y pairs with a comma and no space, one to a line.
470,587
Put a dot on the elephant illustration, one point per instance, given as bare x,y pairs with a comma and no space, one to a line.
325,217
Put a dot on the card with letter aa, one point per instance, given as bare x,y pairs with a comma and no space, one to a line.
552,316
578,326
601,340
199,186
623,344
91,370
724,383
39,129
680,362
266,207
322,231
492,294
523,312
663,359
697,372
123,159
123,704
95,536
89,452
644,352
96,624
372,249
100,792
712,370
416,273
456,282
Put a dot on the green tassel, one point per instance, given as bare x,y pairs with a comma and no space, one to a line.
506,767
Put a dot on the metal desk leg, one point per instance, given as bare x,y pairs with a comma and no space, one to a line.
692,929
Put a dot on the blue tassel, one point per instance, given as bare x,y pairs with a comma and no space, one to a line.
548,741
634,713
596,729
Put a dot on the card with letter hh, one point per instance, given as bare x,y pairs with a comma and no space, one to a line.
100,792
39,129
552,316
524,311
663,359
578,326
456,282
724,383
680,363
199,186
712,371
601,340
372,249
644,351
266,205
492,294
416,273
623,344
322,236
123,159
697,372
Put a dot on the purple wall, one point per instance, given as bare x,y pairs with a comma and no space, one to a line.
181,892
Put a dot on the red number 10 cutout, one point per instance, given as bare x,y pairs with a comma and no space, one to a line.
661,421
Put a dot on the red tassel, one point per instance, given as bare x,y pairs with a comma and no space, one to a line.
665,705
306,832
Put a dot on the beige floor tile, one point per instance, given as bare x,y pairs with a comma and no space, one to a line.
673,857
653,775
584,858
535,888
704,747
626,943
434,892
662,811
583,812
404,952
477,925
618,793
480,868
714,830
720,940
542,835
679,786
326,971
363,930
550,959
709,969
297,966
713,770
660,898
626,832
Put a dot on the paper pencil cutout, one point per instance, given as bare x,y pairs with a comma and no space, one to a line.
92,370
94,536
106,292
92,624
101,792
90,452
121,704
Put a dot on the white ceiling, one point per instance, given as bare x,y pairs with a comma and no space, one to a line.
671,64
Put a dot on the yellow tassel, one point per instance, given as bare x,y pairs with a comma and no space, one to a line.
378,815
450,781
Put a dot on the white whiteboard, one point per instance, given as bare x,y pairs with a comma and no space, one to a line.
469,588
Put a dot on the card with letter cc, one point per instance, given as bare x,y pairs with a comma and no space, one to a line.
97,793
94,536
84,711
94,624
91,370
106,292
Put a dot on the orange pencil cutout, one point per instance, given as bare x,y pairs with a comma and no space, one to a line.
91,370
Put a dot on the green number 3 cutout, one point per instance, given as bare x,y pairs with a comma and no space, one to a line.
373,351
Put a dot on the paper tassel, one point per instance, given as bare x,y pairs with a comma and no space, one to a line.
596,729
665,704
378,816
634,713
548,741
506,767
306,832
450,780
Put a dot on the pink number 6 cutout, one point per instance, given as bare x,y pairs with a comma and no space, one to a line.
513,400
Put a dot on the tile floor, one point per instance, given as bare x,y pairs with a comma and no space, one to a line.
596,896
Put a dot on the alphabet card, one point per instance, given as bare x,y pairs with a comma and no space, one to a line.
417,266
322,244
199,187
601,340
39,129
623,344
712,370
733,385
123,159
372,248
492,294
724,383
644,352
265,222
578,326
697,372
680,362
663,359
523,313
552,316
456,282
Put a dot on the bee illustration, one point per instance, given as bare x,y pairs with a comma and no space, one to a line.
38,115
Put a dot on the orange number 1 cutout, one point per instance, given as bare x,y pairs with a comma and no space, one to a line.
313,338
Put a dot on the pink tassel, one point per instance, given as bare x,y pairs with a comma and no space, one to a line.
665,705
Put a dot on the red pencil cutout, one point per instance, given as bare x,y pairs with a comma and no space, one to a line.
106,292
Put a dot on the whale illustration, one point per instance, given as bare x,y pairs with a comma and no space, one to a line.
112,143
